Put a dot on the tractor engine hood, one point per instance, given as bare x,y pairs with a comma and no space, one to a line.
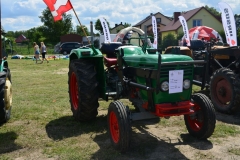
135,57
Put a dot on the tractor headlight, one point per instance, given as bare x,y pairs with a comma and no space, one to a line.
186,84
165,86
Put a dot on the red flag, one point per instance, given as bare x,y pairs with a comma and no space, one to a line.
58,7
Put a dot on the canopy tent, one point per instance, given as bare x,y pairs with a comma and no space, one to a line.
205,32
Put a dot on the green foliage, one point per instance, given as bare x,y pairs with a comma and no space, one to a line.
126,25
180,35
213,10
34,35
54,30
80,30
98,26
237,18
222,34
10,34
169,40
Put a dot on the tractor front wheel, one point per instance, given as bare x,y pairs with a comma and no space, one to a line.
119,126
201,123
224,90
83,92
5,96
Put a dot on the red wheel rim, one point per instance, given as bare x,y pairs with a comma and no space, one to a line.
114,128
223,91
74,90
195,122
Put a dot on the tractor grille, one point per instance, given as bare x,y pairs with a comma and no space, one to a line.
188,69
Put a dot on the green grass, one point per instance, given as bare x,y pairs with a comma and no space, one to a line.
42,126
222,130
24,49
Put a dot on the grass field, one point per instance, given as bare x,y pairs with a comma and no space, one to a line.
42,126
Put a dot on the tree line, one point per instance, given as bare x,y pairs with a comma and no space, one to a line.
50,32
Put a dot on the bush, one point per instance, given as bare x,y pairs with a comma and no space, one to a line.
169,40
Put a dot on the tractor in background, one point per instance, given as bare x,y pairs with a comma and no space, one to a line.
158,85
220,75
5,83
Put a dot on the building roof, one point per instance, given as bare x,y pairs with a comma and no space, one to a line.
20,39
150,16
175,24
117,25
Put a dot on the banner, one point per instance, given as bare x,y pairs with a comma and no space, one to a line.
58,7
105,30
229,24
185,29
155,33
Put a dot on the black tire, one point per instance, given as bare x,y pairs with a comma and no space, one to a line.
201,124
119,126
5,96
83,92
225,90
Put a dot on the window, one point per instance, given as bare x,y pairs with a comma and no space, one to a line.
158,20
197,22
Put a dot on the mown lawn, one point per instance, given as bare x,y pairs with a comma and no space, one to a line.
42,126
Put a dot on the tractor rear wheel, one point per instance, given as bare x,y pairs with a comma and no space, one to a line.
119,126
5,96
201,123
225,90
83,92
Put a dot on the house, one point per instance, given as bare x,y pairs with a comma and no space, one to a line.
21,39
161,19
196,17
117,28
71,38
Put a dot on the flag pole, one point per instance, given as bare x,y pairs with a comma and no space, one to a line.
81,25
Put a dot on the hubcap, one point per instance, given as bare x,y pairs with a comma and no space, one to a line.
114,128
196,120
8,94
74,91
223,91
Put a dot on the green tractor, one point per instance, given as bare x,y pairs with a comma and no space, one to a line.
5,84
158,85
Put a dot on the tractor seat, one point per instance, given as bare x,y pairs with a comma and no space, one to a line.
110,61
109,49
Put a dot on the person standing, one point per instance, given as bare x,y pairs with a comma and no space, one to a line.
43,52
36,51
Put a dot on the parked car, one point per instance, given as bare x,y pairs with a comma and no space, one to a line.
66,47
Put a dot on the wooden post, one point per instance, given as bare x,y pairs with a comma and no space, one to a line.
81,25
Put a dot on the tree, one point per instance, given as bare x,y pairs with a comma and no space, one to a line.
79,30
54,30
10,34
98,26
34,35
126,25
213,11
237,19
169,40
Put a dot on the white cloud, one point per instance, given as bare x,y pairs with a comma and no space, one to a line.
115,11
29,4
234,4
20,23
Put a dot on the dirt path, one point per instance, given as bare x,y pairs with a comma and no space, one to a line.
152,140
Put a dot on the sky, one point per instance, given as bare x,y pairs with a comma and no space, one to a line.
20,15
